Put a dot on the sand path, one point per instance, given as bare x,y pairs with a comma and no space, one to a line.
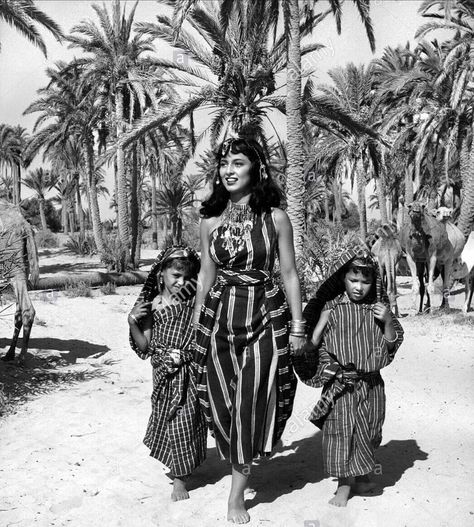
74,457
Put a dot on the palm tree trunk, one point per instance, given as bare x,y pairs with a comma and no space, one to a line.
44,225
294,176
361,202
337,201
326,206
134,202
64,215
16,183
154,217
92,197
121,176
381,198
466,217
80,212
408,187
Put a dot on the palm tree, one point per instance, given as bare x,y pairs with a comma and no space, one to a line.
67,106
10,153
118,63
174,201
457,68
24,16
233,68
41,181
347,110
292,16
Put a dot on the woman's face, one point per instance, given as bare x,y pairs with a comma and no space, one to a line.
234,170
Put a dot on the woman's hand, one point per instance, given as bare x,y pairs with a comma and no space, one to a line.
296,345
141,310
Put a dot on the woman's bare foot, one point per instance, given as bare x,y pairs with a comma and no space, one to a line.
363,485
342,493
179,490
236,512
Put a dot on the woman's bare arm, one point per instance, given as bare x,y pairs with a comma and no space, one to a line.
208,272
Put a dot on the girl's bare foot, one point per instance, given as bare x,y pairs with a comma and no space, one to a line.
342,494
363,485
179,490
237,513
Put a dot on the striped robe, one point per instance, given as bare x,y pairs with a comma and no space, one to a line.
351,410
176,434
246,383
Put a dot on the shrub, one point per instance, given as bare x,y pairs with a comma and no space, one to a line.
108,289
115,255
81,244
78,288
46,239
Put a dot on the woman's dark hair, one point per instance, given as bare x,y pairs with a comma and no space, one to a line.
265,193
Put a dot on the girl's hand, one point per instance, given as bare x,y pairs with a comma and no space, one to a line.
138,312
296,345
381,312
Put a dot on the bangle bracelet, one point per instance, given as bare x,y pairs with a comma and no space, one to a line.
134,318
391,341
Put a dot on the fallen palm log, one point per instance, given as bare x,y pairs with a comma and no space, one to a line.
61,280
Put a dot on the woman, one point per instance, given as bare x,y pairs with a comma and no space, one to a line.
245,380
160,328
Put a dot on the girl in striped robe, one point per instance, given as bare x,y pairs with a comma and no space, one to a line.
245,379
358,336
161,329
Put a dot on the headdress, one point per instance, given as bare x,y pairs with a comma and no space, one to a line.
333,285
151,287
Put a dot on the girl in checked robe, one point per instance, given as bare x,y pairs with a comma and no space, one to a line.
161,329
358,336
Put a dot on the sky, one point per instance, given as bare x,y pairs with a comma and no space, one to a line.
22,65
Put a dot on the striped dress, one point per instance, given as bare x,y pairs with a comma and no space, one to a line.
246,383
351,411
176,433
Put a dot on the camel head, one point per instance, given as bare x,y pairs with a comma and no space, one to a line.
443,214
416,210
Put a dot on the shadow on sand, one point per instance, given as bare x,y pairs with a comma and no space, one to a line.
45,372
298,464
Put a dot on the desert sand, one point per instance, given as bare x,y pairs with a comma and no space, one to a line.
72,454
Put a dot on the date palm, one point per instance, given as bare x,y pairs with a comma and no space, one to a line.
458,67
292,18
10,153
41,181
67,111
118,63
25,17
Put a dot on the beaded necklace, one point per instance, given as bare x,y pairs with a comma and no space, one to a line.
237,222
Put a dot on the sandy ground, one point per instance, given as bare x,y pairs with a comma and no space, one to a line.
72,454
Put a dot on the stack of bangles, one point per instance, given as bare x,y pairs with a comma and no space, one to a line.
298,328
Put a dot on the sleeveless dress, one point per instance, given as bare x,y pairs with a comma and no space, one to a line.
245,380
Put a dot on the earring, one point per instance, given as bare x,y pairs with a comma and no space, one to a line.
161,281
263,172
218,180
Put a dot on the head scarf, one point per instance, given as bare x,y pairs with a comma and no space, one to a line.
333,285
151,288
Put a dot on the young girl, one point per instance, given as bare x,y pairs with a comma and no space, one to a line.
358,336
161,328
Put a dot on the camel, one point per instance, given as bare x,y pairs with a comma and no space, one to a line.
463,268
388,251
18,258
426,244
